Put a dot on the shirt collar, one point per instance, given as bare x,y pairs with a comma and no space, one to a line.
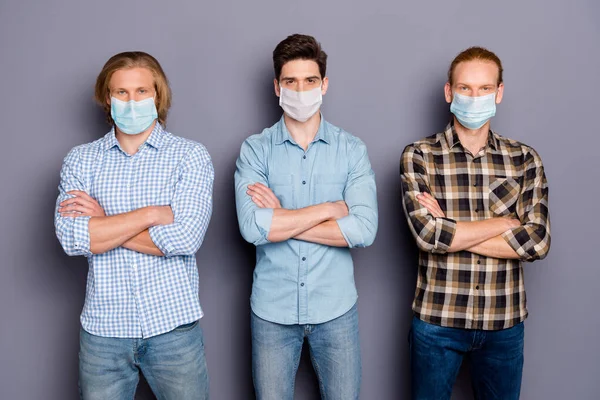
283,134
452,137
155,139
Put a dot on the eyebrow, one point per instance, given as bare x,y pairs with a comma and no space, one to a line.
293,78
484,85
138,88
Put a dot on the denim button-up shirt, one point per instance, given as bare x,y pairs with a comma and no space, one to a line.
297,282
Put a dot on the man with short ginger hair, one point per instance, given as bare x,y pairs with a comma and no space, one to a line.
477,205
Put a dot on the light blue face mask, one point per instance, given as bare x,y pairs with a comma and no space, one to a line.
133,117
473,112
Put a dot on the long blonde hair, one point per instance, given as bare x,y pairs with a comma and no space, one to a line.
134,59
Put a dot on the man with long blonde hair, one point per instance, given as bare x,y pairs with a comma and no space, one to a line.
137,203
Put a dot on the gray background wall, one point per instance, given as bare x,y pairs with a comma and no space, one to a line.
387,68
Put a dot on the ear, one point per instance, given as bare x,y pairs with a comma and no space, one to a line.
325,86
108,98
499,93
276,86
448,92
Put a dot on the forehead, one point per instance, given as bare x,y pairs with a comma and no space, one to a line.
476,72
131,77
300,69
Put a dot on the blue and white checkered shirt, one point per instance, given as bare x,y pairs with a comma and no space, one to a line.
130,294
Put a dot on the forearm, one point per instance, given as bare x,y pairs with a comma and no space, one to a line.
495,247
107,233
327,233
142,243
287,224
469,234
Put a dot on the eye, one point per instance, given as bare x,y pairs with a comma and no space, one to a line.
142,91
121,92
311,80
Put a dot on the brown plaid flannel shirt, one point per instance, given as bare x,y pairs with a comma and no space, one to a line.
506,178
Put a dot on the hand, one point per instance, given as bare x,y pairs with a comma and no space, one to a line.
81,205
163,215
262,196
513,223
429,202
340,210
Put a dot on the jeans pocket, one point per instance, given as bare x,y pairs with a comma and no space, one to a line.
186,327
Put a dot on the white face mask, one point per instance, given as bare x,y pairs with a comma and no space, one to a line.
300,105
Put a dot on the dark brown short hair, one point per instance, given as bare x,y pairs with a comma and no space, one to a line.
475,53
296,47
134,59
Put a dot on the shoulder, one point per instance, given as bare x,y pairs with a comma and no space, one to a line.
259,144
427,144
424,146
343,137
187,147
86,152
516,148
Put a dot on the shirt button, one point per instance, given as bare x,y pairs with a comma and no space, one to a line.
478,261
475,184
304,157
477,287
304,182
477,210
302,284
303,258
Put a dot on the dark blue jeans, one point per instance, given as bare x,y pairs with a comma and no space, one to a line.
437,352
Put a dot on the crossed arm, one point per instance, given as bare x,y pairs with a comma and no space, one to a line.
480,237
526,238
316,224
83,228
262,220
129,230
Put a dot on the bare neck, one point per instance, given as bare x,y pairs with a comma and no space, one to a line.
303,133
131,143
472,139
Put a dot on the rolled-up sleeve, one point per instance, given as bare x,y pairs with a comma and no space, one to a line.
433,235
254,222
531,240
359,227
191,205
72,232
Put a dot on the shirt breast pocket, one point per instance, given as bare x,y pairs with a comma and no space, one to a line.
329,187
503,195
283,188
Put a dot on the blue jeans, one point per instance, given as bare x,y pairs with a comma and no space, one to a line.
173,364
437,352
334,350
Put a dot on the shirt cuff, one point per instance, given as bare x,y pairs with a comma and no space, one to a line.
518,239
351,231
264,218
445,228
81,235
159,236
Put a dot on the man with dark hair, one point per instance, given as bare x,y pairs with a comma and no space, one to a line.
305,194
477,204
137,203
